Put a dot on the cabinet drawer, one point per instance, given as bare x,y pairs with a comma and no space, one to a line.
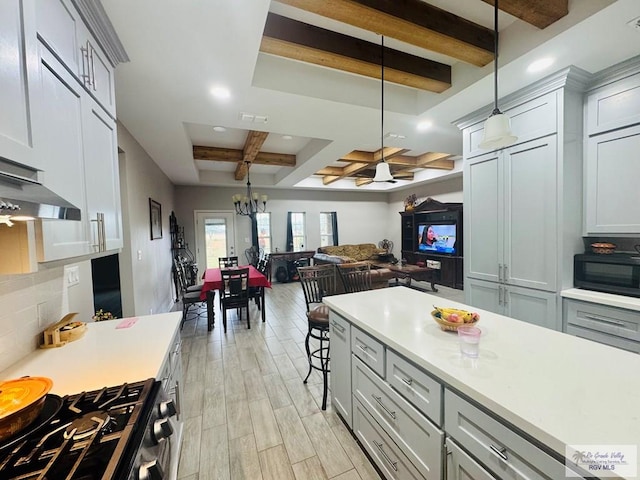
419,439
610,320
461,466
384,452
499,448
368,349
604,338
417,387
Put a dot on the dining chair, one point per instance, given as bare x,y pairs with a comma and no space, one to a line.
257,293
189,295
355,277
226,262
235,293
318,282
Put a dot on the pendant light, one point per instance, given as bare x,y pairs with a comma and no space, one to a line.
383,174
497,128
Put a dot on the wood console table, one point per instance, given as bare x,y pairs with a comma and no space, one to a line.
289,257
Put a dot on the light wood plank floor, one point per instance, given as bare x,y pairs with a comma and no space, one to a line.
247,414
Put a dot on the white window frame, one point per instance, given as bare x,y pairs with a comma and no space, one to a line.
299,240
326,239
268,237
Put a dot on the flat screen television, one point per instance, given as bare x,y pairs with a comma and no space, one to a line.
437,237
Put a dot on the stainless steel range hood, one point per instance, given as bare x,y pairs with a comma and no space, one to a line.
22,195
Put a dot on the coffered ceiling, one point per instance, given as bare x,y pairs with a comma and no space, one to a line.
303,76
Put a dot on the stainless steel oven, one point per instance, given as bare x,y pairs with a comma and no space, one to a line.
617,273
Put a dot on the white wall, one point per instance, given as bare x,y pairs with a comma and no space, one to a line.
145,264
362,217
446,191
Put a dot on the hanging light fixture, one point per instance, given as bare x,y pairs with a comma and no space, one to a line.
248,205
497,128
383,174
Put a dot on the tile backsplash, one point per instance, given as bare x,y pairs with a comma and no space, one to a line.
30,303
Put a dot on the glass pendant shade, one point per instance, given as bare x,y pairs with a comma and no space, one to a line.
383,174
497,132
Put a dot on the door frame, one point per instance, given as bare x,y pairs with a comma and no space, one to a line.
200,215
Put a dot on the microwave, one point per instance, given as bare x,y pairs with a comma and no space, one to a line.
617,273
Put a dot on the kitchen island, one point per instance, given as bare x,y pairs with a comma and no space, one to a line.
546,389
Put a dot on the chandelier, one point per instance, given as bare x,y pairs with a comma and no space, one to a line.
249,204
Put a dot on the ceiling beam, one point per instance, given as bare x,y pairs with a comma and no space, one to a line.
233,155
307,43
252,146
540,13
410,21
427,158
329,171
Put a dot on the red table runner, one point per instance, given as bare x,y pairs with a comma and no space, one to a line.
213,280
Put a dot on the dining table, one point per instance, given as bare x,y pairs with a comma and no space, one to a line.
213,281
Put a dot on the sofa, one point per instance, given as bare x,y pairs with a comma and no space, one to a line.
363,252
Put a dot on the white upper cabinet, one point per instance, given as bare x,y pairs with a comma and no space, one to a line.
102,178
612,169
61,28
18,68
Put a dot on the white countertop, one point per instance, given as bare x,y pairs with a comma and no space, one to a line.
105,356
561,390
622,301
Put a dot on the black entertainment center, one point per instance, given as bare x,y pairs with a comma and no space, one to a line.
432,232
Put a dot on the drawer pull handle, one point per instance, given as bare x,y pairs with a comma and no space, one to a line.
340,328
408,381
393,464
362,347
605,320
501,452
379,400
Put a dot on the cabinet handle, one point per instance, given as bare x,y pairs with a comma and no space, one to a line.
504,276
408,381
499,272
499,294
362,347
338,327
384,407
611,321
393,464
506,294
103,232
86,75
500,451
98,245
93,67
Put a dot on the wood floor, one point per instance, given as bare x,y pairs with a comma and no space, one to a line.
247,414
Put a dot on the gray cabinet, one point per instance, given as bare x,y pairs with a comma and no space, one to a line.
460,466
533,306
340,378
612,170
612,326
17,73
522,203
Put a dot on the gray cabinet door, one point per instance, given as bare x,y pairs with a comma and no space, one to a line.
483,217
484,295
532,306
18,69
530,211
340,378
611,182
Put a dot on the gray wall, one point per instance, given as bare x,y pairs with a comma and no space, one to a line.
145,264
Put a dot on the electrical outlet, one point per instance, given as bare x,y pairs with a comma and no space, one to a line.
151,311
72,275
139,254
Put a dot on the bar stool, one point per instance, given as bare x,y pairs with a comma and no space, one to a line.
318,282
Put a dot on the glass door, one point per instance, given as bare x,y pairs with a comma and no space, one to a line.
215,237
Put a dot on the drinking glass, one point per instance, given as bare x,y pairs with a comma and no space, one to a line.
469,340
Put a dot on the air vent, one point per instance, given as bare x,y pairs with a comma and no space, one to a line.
253,118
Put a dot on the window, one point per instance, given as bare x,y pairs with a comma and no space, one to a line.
297,230
328,229
264,231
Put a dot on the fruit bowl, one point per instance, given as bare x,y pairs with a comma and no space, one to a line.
450,319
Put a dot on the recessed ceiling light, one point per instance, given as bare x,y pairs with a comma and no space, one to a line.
219,129
287,137
540,65
221,93
424,125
